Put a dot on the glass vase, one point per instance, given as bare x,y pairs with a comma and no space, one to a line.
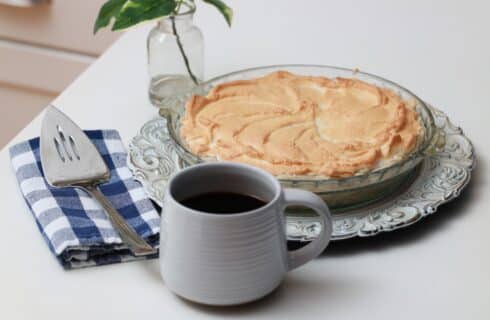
175,59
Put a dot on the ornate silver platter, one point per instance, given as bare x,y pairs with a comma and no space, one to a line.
439,179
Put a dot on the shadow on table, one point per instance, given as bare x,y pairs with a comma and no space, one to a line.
417,232
295,295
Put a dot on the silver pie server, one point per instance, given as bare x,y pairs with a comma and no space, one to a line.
70,159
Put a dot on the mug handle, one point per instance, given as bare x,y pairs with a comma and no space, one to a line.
313,249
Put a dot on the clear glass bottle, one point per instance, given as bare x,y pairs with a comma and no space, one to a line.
171,82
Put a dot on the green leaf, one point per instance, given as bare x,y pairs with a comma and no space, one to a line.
136,11
109,10
226,11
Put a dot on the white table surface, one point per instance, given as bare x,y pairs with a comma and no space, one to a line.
437,269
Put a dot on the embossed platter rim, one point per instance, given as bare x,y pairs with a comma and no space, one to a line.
441,177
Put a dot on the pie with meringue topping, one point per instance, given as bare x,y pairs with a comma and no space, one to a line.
295,125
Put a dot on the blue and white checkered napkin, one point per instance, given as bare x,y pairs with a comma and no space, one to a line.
73,224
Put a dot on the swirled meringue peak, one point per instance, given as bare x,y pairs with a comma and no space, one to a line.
294,125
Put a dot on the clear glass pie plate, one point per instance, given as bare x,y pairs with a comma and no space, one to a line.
339,193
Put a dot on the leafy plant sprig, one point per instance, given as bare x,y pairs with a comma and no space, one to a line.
127,13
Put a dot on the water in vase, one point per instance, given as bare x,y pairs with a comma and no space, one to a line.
168,90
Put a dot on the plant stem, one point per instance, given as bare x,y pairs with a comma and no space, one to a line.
177,9
181,48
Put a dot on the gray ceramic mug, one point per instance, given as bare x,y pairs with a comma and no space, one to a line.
227,259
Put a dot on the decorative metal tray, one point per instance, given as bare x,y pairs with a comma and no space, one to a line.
439,179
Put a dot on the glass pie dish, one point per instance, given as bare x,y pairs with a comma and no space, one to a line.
339,193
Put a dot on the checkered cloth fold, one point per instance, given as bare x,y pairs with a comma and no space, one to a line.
73,224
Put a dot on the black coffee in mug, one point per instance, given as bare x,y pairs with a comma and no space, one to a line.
223,202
